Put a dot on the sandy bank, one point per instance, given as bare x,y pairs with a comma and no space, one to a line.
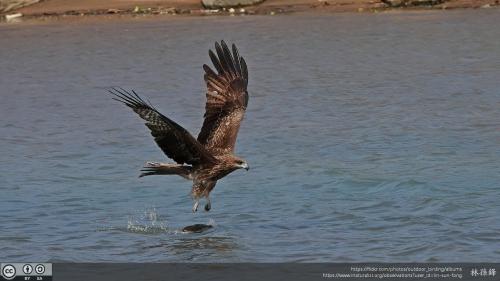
59,8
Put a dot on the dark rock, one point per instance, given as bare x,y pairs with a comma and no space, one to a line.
411,3
196,228
216,4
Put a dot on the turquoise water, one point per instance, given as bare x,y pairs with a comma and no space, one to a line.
369,137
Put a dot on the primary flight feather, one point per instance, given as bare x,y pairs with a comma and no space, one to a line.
210,156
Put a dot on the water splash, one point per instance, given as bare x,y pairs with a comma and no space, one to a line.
211,222
149,222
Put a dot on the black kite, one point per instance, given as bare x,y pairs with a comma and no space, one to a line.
209,157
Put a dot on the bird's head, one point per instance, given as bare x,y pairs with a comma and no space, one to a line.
240,163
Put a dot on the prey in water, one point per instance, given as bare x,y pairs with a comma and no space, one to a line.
209,157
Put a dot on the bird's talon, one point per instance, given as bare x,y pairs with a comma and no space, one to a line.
195,206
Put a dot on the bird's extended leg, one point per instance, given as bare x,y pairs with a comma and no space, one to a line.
202,189
195,206
196,194
208,206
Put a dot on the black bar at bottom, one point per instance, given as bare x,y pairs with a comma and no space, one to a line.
275,271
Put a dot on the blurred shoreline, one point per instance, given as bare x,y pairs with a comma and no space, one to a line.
50,10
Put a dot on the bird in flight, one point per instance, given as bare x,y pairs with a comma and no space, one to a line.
209,157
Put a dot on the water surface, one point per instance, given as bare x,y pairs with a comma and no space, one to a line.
370,138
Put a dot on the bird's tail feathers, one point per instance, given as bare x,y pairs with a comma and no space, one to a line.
155,168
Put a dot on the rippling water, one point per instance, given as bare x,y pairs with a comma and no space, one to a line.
370,137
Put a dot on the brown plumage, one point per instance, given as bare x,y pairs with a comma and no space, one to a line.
209,157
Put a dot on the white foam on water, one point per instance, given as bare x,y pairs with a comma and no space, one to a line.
211,222
149,222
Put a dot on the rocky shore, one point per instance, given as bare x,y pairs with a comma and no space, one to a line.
36,9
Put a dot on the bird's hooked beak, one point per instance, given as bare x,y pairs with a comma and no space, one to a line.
245,166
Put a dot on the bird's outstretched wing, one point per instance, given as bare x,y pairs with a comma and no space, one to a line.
175,141
227,98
